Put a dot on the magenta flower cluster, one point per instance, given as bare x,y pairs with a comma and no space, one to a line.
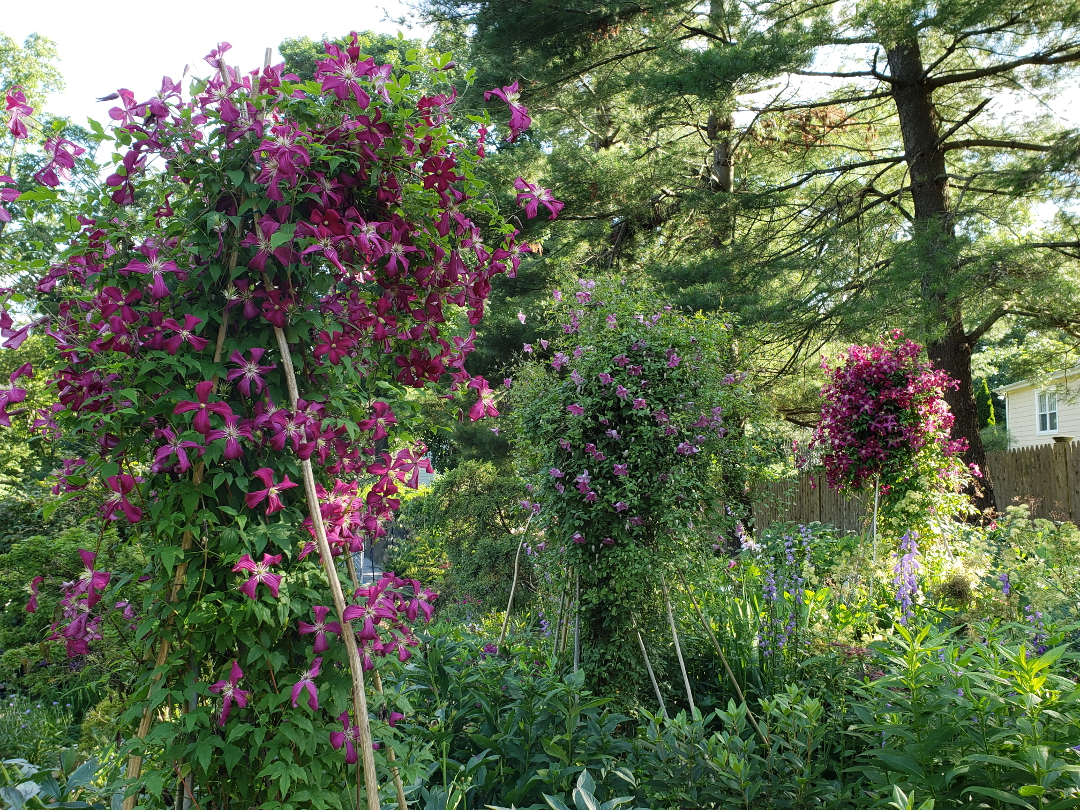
881,405
264,273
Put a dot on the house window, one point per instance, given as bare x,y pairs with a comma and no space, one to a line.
1048,421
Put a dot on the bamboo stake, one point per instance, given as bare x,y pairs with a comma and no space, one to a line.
577,622
724,661
356,668
134,767
678,647
399,788
559,625
652,676
513,584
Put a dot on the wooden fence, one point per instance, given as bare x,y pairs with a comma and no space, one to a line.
1046,477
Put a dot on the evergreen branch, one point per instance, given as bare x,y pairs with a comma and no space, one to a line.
1050,58
965,120
846,168
996,144
966,35
707,34
832,102
607,61
873,73
975,334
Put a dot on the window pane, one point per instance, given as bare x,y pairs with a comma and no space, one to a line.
1053,420
1042,422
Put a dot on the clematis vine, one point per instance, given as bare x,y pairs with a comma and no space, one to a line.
307,682
261,574
271,492
230,693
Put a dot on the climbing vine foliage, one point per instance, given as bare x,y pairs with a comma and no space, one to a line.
268,269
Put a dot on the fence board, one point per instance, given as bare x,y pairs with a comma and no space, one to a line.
1046,478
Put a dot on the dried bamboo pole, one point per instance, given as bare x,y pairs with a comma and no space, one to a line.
399,788
513,584
577,622
371,784
652,676
724,661
678,647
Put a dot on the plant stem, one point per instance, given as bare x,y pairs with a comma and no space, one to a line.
678,647
371,784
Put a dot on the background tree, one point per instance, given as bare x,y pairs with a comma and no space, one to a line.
902,169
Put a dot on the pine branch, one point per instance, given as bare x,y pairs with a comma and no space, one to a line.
845,168
965,120
995,143
975,334
1071,54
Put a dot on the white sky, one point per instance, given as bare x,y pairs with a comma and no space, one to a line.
137,43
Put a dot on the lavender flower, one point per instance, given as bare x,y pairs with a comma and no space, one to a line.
906,577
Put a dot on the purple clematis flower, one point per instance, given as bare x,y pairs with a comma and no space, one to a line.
519,114
620,469
229,692
203,408
260,573
121,486
173,446
184,334
307,681
232,432
320,628
348,738
18,112
270,494
155,266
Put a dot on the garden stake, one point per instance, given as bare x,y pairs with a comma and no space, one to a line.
873,520
371,784
724,661
513,584
648,666
577,622
134,761
399,788
678,647
134,767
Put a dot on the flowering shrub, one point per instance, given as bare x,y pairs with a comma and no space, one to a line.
268,269
880,408
624,419
885,424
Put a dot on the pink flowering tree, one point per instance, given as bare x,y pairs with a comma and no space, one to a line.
885,426
268,269
630,421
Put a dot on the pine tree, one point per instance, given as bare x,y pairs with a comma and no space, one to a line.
985,403
891,185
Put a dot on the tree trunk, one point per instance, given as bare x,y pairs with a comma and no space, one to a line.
950,350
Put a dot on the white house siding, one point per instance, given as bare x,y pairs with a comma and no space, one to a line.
1022,417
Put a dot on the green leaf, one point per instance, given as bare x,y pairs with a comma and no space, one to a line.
900,762
1000,795
554,803
1031,790
282,236
238,176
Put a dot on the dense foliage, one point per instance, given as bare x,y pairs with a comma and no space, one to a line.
249,298
630,422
